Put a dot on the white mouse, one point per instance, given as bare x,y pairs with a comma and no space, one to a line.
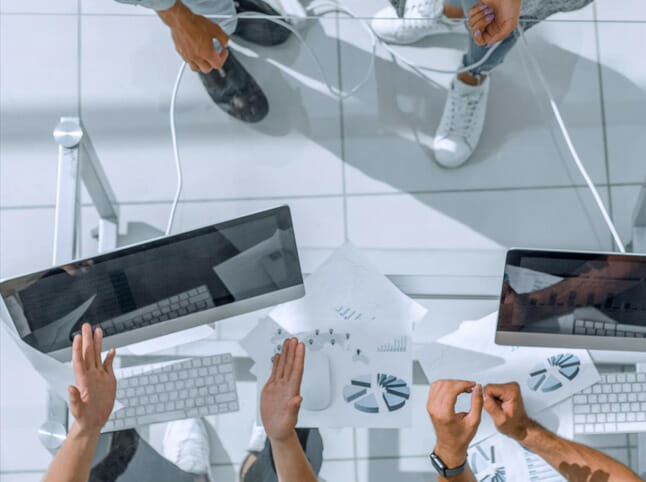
316,387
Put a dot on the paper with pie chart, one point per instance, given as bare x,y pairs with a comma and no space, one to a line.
370,373
546,376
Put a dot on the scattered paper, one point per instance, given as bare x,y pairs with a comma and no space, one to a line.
348,287
446,362
370,374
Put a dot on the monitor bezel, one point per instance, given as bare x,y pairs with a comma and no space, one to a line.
590,342
193,320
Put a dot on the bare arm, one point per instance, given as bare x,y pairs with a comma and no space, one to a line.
576,462
454,430
193,37
91,402
279,405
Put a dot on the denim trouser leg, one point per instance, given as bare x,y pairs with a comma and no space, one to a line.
476,52
224,9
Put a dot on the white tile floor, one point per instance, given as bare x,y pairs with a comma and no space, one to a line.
360,169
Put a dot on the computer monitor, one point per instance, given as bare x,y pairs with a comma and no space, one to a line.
573,299
160,287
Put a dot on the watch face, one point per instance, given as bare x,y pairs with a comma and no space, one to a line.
437,463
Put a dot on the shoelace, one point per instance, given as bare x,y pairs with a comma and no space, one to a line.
463,109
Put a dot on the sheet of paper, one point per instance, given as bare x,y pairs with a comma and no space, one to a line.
370,373
446,362
349,288
546,376
525,280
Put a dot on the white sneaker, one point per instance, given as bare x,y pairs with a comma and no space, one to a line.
422,18
257,439
462,122
186,444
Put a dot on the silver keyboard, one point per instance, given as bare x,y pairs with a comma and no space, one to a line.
604,328
617,404
197,299
162,392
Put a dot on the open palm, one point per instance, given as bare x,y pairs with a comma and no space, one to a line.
92,399
280,399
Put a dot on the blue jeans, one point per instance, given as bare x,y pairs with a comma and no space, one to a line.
476,52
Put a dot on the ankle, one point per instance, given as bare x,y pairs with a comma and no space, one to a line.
471,79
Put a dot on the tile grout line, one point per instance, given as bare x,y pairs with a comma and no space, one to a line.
78,58
330,196
602,109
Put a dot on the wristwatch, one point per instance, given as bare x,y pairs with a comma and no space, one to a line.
443,470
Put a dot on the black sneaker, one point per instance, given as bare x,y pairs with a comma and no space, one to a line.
235,91
260,31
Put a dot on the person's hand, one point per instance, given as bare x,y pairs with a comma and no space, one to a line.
497,24
92,399
280,399
193,36
454,430
505,405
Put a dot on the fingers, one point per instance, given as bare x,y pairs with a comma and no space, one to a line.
479,25
217,59
297,372
476,406
295,403
444,394
289,349
109,359
89,359
504,392
498,32
77,355
193,66
204,66
98,341
75,399
220,35
282,360
274,368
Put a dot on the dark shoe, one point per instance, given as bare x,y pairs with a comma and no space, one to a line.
260,31
235,91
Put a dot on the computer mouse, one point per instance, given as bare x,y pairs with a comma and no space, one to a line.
316,387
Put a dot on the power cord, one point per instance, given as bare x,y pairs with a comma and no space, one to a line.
334,7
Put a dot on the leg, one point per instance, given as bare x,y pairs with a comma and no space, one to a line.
263,469
465,109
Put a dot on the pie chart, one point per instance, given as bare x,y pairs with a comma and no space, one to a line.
364,391
557,370
482,461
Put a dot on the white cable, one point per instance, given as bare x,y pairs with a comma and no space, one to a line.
178,162
570,145
341,95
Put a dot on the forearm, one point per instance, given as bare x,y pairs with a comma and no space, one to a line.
73,461
452,459
290,460
576,462
466,476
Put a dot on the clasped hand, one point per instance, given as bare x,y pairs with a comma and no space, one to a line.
492,21
455,431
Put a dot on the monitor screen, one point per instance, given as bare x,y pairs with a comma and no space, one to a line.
585,294
156,281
